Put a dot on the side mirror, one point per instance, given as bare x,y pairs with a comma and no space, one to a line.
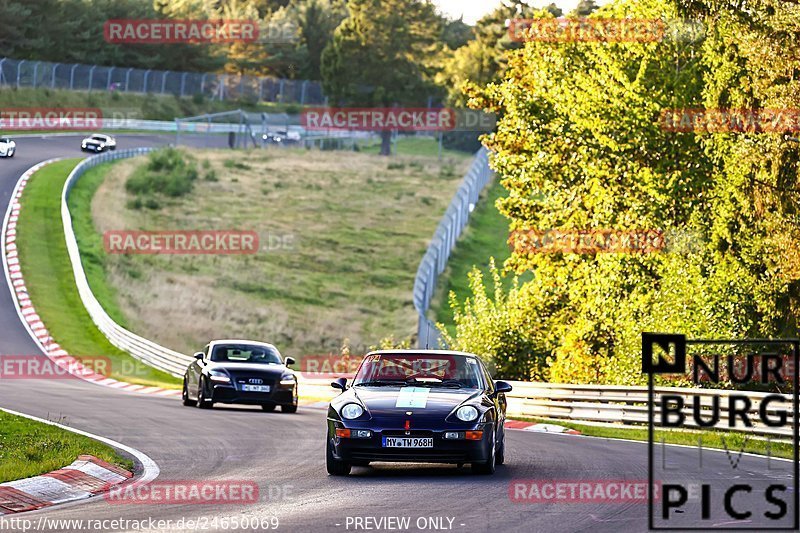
198,355
339,383
501,387
289,361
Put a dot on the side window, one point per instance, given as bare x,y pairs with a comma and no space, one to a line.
205,351
488,378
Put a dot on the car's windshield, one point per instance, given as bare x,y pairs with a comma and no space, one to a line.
435,370
4,140
98,138
245,353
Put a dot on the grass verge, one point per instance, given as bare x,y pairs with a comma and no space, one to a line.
732,441
341,238
48,275
29,448
486,236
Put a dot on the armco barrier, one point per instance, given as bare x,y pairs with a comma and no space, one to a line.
148,352
610,404
447,233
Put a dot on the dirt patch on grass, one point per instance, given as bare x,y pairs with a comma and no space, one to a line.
347,231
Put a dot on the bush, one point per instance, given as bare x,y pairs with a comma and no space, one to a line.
168,172
508,331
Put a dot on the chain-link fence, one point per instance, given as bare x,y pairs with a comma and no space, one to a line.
24,73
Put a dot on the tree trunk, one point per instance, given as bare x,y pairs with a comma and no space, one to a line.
386,143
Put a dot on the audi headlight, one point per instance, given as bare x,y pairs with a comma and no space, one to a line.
467,413
351,411
287,379
219,376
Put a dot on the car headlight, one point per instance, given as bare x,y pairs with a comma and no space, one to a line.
467,413
351,411
287,379
219,376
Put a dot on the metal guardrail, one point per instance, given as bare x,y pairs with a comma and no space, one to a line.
606,404
629,405
146,351
79,77
444,239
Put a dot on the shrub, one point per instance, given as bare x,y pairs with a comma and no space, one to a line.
167,172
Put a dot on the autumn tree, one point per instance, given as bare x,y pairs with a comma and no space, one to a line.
383,54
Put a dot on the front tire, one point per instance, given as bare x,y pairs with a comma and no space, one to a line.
488,467
500,456
289,408
268,407
335,466
185,395
202,401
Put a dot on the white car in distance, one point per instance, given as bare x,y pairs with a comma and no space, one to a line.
7,147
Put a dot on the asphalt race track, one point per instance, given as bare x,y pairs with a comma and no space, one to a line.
284,454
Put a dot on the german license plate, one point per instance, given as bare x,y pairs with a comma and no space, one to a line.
255,388
408,442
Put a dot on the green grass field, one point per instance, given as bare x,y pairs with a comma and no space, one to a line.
48,275
358,227
29,448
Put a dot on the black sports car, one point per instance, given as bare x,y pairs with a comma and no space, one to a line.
418,406
243,372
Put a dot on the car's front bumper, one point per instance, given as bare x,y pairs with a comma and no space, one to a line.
281,395
443,451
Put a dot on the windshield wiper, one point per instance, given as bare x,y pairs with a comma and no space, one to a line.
379,383
454,384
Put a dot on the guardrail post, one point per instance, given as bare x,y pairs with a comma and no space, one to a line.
53,75
35,72
128,79
183,82
108,78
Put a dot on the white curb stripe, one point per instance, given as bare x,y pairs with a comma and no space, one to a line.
49,489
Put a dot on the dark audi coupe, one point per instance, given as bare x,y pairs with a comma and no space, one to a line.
424,406
243,372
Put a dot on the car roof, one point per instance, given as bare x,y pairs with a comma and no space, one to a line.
422,352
